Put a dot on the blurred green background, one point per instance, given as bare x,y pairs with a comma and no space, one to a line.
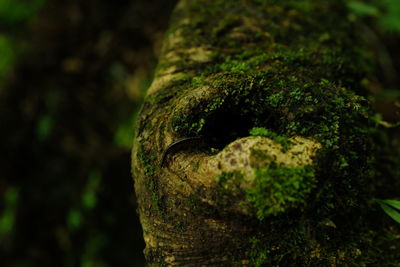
72,77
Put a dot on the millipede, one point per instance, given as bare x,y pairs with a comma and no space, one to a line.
178,145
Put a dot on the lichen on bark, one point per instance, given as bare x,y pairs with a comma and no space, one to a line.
292,194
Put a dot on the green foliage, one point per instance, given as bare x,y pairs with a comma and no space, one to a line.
279,188
390,207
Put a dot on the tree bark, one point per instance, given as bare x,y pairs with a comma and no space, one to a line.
274,154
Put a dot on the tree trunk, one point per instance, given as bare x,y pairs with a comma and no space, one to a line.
254,145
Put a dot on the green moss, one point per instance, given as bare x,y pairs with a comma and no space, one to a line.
148,163
260,131
197,81
187,124
228,181
278,188
228,189
258,253
149,170
234,66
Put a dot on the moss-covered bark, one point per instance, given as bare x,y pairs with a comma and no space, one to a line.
285,172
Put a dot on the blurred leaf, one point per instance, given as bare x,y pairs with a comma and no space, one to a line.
74,219
123,136
386,12
89,198
7,218
363,9
391,20
44,127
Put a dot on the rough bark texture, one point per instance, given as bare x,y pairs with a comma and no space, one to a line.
276,162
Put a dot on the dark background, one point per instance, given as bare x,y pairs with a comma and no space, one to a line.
72,76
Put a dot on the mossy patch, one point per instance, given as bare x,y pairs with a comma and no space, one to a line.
148,161
278,188
228,189
261,131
